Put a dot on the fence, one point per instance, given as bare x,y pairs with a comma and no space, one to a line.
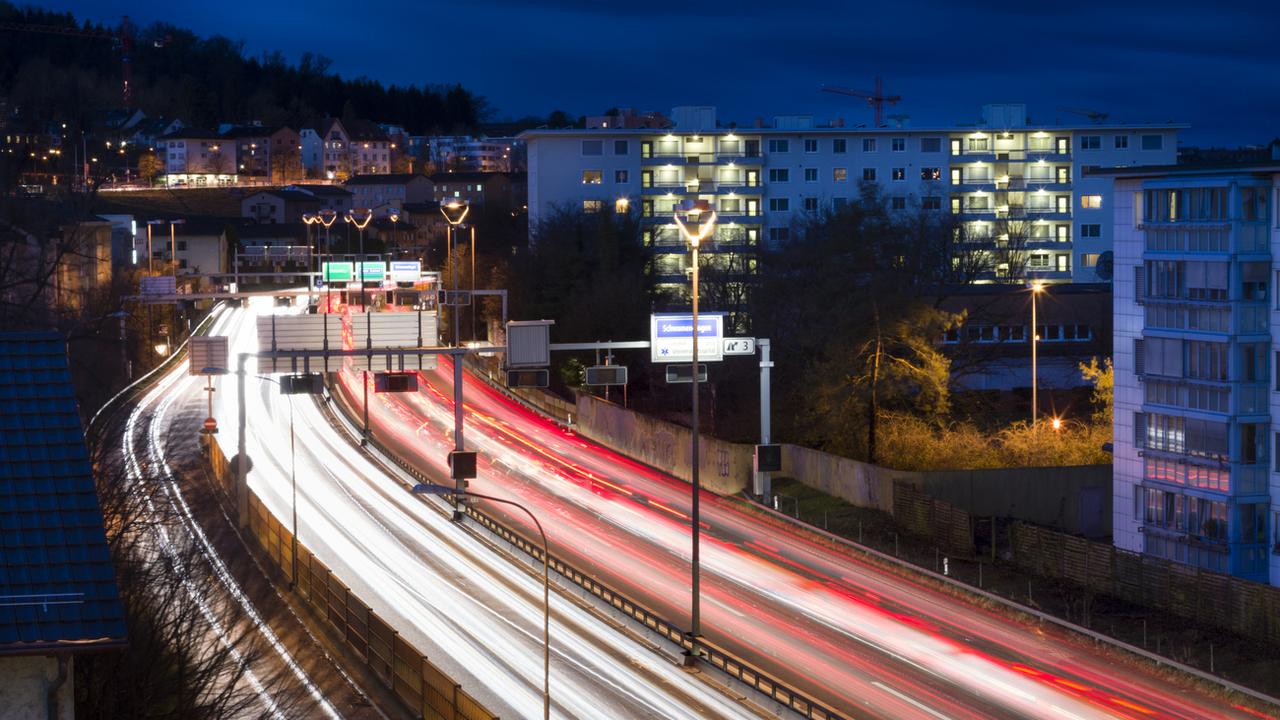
1248,608
401,667
950,526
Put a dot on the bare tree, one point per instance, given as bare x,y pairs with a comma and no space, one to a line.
1009,248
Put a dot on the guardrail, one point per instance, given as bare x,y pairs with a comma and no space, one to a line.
718,658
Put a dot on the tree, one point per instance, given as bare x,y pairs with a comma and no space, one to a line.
1102,377
149,166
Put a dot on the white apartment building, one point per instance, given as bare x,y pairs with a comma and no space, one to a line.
1007,180
194,158
1197,399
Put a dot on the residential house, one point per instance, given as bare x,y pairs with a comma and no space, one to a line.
326,151
390,191
197,158
474,188
60,597
148,132
333,197
286,205
271,153
370,149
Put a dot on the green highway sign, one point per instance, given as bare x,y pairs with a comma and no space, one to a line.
373,270
339,271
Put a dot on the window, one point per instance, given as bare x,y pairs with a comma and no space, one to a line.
931,202
1091,202
779,175
839,146
1122,142
1039,261
898,203
592,206
621,176
811,145
811,204
621,206
931,173
592,177
898,144
1090,142
592,147
868,144
979,144
1090,230
621,147
840,174
1152,142
779,234
1207,360
930,145
811,174
1089,260
899,174
869,174
779,204
778,145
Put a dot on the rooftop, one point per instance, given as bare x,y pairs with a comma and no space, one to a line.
57,584
384,179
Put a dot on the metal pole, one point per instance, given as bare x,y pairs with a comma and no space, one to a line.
173,248
242,462
457,327
696,615
363,309
293,482
459,484
473,282
150,262
765,484
1035,338
364,377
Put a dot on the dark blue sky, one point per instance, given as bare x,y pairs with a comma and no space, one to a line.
1215,65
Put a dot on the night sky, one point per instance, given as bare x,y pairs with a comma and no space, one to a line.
1215,65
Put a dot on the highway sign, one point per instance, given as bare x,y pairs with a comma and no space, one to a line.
338,272
159,285
207,352
528,378
405,270
371,270
671,337
768,458
529,343
606,375
739,346
395,382
684,373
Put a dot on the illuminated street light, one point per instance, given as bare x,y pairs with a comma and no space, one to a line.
454,211
360,217
704,218
432,489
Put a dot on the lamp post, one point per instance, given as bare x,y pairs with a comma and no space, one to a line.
360,217
150,255
432,489
173,244
704,219
455,211
327,217
1036,289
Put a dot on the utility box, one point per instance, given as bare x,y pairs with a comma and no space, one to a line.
462,464
768,458
529,343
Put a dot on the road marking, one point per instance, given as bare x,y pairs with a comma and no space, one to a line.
909,699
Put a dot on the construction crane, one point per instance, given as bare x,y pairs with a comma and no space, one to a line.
122,36
1094,115
876,99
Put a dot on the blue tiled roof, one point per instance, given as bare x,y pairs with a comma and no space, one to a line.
57,586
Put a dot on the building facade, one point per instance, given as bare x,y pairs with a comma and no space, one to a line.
1196,401
1014,185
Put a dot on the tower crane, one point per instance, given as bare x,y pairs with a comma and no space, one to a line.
1094,115
122,36
875,99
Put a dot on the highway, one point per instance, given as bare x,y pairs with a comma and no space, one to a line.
472,611
866,641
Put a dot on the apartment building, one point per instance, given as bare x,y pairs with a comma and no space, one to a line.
195,158
1013,184
271,152
1196,401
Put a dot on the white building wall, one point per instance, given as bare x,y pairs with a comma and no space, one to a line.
1127,465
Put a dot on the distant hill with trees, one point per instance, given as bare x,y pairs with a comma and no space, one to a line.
50,77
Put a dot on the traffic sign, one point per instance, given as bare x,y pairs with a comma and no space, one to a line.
206,353
371,270
606,375
684,373
528,378
338,271
406,270
671,337
740,346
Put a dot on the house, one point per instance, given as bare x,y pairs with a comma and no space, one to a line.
60,597
279,206
474,188
148,132
266,152
200,246
392,190
370,149
326,151
197,158
333,197
282,248
53,272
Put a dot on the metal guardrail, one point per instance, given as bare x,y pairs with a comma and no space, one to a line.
718,658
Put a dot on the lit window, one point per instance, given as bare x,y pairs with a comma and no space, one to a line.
899,174
592,177
621,205
1091,202
840,174
931,173
1089,259
592,206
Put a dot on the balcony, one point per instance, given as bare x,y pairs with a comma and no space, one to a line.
1244,238
740,157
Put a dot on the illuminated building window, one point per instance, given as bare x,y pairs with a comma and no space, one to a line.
592,206
592,177
839,174
1091,202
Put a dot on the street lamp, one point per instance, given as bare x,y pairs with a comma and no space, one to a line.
432,489
360,217
703,217
327,217
173,244
1036,289
454,211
